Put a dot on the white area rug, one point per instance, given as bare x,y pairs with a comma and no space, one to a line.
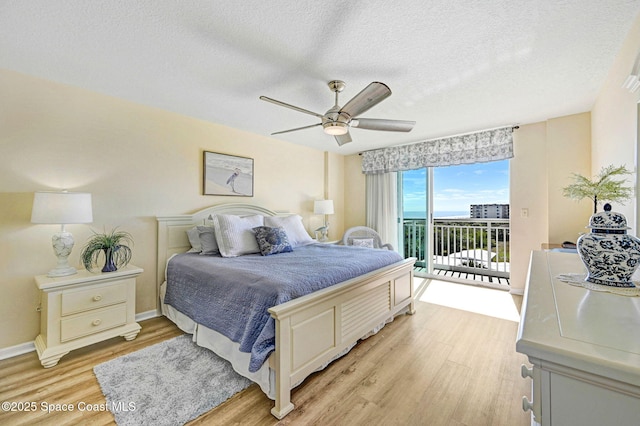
168,383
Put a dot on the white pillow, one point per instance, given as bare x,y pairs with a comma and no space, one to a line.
293,226
235,235
362,242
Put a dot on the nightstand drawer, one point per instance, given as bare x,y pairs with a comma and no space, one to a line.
93,297
92,322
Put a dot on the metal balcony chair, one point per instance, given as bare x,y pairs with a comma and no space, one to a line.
364,237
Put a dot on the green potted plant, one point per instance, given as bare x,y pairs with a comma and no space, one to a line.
604,187
113,245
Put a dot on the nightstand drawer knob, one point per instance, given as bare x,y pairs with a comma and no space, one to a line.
526,372
97,322
526,404
97,298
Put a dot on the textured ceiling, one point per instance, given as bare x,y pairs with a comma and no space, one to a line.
453,67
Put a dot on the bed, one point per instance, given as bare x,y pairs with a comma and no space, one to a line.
310,330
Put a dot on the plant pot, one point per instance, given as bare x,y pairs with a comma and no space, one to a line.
109,265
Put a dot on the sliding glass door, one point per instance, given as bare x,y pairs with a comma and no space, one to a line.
414,211
455,221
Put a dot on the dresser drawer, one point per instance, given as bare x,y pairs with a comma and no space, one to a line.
94,297
92,322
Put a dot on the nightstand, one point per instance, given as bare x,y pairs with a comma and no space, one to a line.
85,308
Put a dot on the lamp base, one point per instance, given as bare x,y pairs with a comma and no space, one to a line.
322,233
62,246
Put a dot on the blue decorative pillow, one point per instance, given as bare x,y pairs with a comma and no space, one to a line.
272,240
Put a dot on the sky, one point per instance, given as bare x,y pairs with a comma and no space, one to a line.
455,188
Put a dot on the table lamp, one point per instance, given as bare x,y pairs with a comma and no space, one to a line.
62,208
324,207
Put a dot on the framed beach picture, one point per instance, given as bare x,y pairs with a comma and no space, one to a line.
227,175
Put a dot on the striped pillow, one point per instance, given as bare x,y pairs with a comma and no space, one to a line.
234,234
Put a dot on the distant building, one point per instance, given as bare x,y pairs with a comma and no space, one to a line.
489,211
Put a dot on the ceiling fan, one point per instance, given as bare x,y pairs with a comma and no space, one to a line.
337,120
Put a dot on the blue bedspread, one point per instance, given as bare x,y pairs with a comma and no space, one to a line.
232,295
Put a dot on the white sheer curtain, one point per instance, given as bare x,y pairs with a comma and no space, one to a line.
382,206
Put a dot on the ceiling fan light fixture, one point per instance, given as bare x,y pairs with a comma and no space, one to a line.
335,128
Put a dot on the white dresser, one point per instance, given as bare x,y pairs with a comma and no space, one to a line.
85,308
584,346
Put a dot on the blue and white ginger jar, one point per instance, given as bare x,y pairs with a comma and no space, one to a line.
609,253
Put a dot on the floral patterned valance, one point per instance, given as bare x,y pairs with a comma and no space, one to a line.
490,145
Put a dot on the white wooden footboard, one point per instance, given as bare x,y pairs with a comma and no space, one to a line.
313,329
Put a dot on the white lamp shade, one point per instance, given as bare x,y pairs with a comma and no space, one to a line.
323,207
61,207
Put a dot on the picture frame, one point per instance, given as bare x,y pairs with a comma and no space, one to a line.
225,174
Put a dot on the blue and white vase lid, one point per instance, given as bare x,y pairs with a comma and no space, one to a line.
608,220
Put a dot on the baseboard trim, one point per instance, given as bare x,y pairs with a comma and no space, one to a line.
27,347
16,350
147,315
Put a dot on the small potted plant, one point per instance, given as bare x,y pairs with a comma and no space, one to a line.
604,187
113,245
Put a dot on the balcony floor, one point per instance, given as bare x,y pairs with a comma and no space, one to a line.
466,276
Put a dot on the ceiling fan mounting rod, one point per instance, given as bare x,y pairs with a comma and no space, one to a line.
336,86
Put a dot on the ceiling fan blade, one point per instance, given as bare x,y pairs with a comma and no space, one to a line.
382,124
297,128
273,101
369,97
342,139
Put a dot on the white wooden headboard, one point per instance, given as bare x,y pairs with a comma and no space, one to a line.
172,230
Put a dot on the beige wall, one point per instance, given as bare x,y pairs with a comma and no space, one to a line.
528,183
354,192
138,162
334,176
545,155
568,143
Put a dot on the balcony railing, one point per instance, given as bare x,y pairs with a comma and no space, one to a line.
476,246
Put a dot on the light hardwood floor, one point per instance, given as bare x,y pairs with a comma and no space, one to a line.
441,366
